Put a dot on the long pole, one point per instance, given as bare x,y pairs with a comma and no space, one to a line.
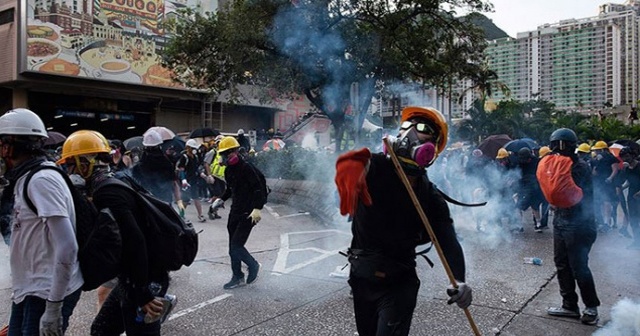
427,225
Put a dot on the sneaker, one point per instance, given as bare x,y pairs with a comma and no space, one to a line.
538,229
563,312
624,232
253,274
589,316
235,282
201,219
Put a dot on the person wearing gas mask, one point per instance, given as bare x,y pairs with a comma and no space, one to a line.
386,227
246,188
529,192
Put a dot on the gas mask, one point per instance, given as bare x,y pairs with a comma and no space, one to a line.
229,159
408,147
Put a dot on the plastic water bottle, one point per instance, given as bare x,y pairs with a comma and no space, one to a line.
155,289
534,261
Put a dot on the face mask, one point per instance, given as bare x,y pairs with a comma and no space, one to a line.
408,146
229,159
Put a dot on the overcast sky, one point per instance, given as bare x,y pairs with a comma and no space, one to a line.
514,16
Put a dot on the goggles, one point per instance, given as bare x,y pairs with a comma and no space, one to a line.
421,127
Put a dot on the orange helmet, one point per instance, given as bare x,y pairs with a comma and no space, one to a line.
435,117
544,150
502,153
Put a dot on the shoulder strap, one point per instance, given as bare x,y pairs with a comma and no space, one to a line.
25,192
456,202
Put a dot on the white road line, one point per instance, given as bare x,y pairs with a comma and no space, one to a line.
280,266
295,214
198,306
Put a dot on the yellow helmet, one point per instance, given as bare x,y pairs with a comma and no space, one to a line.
544,150
435,117
227,143
84,142
600,145
502,153
584,148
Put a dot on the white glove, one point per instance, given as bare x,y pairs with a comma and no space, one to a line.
255,216
185,184
217,204
51,320
461,295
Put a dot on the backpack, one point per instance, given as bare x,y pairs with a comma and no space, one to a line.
97,234
556,182
176,240
263,181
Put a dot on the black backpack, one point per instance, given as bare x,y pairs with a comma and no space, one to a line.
176,240
263,181
97,234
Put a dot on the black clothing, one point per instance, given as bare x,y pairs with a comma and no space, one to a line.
244,142
574,232
245,187
138,266
391,229
156,173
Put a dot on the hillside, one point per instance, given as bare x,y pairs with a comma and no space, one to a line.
491,31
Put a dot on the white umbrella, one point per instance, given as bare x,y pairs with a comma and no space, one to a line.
165,133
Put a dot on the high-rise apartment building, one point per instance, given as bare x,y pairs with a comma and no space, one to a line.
577,63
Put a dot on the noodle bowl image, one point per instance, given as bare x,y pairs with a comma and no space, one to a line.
115,67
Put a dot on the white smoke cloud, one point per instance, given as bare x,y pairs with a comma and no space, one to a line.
625,320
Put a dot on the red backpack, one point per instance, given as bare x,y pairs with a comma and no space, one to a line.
558,187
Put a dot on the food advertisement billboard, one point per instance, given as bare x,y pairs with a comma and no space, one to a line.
115,40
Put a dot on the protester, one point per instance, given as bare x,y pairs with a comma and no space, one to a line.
219,186
584,153
574,232
386,227
189,169
244,185
604,169
529,193
632,176
243,140
45,272
86,153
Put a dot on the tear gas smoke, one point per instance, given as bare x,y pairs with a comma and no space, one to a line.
625,320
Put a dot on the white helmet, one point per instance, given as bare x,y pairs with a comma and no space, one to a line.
192,143
240,131
21,121
151,138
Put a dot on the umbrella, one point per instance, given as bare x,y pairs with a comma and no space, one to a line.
275,144
54,138
177,143
492,143
515,145
133,142
165,133
203,133
615,149
629,143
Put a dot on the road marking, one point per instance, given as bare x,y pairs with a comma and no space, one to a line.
198,306
280,265
295,214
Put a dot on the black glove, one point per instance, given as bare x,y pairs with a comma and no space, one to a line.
461,295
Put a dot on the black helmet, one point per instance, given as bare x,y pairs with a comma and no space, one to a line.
524,153
626,151
563,134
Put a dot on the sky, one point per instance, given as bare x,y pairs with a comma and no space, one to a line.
514,16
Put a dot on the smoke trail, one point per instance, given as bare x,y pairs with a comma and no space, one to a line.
625,320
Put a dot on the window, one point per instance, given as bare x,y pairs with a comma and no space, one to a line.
7,16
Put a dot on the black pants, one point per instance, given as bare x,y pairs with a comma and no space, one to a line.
384,309
118,314
239,229
571,246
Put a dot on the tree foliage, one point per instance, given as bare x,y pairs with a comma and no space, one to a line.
319,48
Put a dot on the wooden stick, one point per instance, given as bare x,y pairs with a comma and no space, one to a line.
427,225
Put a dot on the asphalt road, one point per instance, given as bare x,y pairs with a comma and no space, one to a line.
296,293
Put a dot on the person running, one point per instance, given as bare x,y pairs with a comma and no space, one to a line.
386,227
529,193
574,232
45,271
86,153
246,188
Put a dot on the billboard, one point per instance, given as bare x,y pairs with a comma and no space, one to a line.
115,40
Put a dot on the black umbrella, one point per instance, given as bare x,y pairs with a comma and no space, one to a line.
203,133
176,143
54,138
515,145
492,143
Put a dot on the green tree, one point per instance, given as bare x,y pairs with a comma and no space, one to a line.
321,47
